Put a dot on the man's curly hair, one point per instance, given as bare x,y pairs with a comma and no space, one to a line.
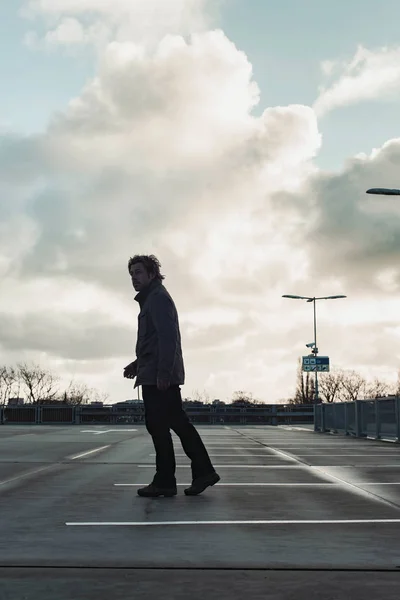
150,263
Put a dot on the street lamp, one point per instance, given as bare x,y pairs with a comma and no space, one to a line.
383,192
315,349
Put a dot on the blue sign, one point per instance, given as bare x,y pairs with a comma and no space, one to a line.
316,363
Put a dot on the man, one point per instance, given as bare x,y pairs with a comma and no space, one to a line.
159,369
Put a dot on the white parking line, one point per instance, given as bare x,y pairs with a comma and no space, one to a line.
331,455
357,489
237,455
249,484
261,445
294,428
375,483
333,446
334,443
389,466
25,474
151,465
297,454
105,431
249,522
295,466
237,448
87,453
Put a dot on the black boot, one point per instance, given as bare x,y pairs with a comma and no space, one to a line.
154,491
201,483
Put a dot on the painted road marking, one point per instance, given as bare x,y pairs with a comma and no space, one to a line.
297,454
304,446
249,522
354,487
369,455
87,453
375,483
241,484
25,474
91,431
237,448
297,466
241,466
237,455
219,437
106,431
344,446
389,466
289,428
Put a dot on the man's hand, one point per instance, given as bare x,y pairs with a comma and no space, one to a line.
130,370
162,384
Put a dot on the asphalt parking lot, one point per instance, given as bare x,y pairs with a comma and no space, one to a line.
296,515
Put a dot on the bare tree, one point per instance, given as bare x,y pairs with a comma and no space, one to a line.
40,385
376,389
285,401
10,384
4,394
79,393
98,396
241,397
305,387
299,393
204,398
394,388
352,385
330,384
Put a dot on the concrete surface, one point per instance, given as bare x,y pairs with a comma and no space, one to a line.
315,514
107,584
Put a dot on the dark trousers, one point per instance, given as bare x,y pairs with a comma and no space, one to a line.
163,412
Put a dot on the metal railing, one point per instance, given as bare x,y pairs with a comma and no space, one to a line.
377,419
272,414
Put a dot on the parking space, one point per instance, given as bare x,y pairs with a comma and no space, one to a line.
288,499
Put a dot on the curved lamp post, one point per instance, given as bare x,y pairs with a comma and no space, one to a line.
384,192
315,349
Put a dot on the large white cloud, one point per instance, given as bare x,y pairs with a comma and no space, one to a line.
97,22
369,75
162,154
353,236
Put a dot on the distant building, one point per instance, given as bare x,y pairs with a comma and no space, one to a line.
129,403
15,401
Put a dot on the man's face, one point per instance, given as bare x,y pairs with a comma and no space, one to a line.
139,276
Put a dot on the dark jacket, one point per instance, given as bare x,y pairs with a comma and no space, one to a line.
158,347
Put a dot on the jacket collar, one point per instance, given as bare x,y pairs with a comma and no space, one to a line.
142,295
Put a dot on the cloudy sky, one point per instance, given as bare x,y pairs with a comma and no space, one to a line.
233,139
